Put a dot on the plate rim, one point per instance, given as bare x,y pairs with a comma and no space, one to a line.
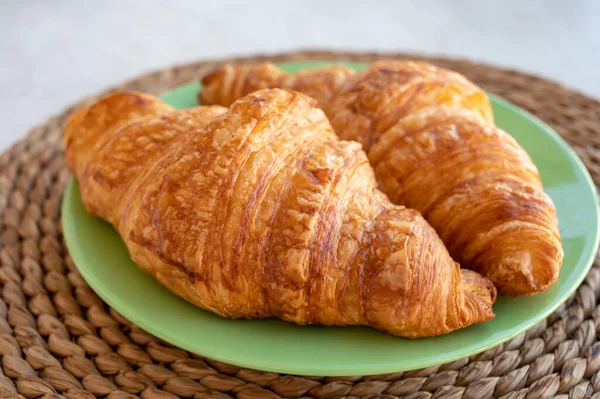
69,233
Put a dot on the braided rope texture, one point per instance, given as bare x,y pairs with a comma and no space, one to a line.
59,340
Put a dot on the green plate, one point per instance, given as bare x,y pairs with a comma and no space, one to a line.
278,346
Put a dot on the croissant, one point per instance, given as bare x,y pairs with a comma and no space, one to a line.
430,137
260,211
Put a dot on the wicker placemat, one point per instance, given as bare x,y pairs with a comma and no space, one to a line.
58,339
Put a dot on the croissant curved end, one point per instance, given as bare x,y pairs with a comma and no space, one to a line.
480,288
227,83
529,272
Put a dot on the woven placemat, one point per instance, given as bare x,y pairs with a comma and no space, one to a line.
59,340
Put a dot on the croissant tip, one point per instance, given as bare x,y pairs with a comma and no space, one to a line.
527,288
480,287
531,274
213,76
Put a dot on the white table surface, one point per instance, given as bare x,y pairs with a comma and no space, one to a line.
55,52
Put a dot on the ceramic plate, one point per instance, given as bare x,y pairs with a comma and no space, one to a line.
278,346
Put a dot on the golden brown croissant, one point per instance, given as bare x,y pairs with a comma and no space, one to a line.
263,212
429,135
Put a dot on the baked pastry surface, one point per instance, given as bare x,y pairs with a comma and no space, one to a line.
429,135
260,211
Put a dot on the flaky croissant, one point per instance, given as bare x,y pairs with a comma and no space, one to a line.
430,137
263,212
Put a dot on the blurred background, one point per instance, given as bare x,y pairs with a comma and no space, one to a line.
53,53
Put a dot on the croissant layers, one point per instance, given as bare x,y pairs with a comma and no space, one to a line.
430,137
260,211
